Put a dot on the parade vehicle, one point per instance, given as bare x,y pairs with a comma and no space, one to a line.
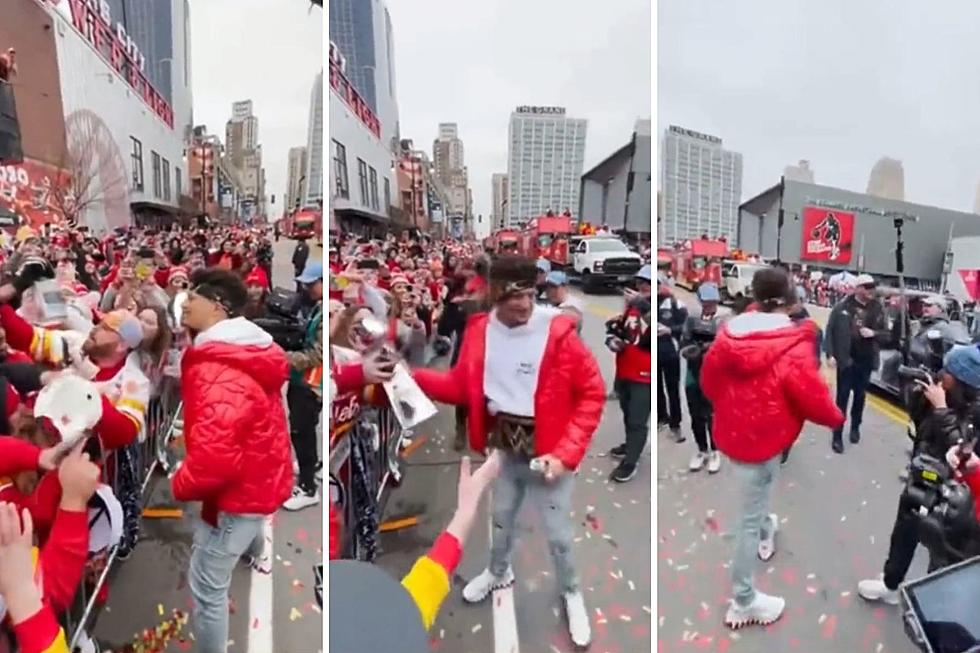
904,360
736,273
604,261
504,241
303,223
547,237
665,259
699,261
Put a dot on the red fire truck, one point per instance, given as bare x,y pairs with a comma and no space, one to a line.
698,261
547,237
303,223
503,241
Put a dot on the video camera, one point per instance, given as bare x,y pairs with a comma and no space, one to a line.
702,334
945,508
283,321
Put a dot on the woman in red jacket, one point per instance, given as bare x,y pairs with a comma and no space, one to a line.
762,379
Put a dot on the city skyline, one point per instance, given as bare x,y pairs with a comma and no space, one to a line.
790,96
277,83
488,83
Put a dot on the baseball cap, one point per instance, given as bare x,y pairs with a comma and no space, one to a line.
708,292
865,280
963,363
556,278
126,325
312,273
646,273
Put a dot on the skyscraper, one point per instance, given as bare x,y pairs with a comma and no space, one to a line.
887,179
802,172
314,146
296,179
546,155
361,31
245,154
447,156
702,186
500,195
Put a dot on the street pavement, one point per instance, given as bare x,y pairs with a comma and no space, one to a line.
612,542
835,514
277,613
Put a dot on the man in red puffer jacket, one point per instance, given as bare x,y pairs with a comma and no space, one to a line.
238,462
533,389
762,379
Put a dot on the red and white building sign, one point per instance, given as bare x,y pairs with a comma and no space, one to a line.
93,20
29,190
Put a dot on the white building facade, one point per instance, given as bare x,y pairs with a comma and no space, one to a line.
546,156
701,185
125,141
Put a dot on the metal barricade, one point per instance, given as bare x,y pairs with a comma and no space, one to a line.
147,454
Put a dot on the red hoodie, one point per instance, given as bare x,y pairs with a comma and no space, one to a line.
762,379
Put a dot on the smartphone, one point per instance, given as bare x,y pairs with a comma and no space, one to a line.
368,264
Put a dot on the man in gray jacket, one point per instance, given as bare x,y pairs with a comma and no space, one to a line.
856,327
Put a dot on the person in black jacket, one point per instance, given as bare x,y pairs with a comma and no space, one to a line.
940,414
300,255
856,327
671,316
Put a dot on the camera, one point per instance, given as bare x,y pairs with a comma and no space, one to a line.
702,334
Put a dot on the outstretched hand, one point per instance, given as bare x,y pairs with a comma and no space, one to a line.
469,491
17,587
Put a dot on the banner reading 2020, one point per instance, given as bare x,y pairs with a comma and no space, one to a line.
828,236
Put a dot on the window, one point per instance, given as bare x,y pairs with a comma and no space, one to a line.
341,188
136,157
363,179
178,184
387,194
374,189
166,179
156,174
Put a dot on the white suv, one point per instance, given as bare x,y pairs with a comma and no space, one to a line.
604,261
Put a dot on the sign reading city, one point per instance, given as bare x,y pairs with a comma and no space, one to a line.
827,235
693,134
93,20
547,111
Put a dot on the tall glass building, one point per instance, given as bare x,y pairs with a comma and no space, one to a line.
701,186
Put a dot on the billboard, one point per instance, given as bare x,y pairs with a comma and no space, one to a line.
30,192
827,236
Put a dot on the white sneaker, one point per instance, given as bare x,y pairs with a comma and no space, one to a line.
480,587
261,564
876,590
763,611
579,627
697,461
301,499
714,462
767,545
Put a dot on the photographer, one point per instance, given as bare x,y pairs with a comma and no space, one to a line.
939,413
305,393
698,334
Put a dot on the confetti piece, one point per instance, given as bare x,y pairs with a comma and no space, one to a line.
625,617
632,586
160,609
477,628
294,614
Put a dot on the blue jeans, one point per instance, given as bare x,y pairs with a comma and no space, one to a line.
553,502
215,554
755,482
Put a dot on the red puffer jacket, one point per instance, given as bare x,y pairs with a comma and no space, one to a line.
238,449
568,401
761,376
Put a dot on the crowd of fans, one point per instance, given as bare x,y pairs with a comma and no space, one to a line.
105,309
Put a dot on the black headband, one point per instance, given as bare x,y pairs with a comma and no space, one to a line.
216,295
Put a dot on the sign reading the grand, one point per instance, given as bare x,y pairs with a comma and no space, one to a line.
827,236
93,20
543,111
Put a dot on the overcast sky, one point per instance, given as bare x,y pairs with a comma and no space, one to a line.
838,82
267,51
472,63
